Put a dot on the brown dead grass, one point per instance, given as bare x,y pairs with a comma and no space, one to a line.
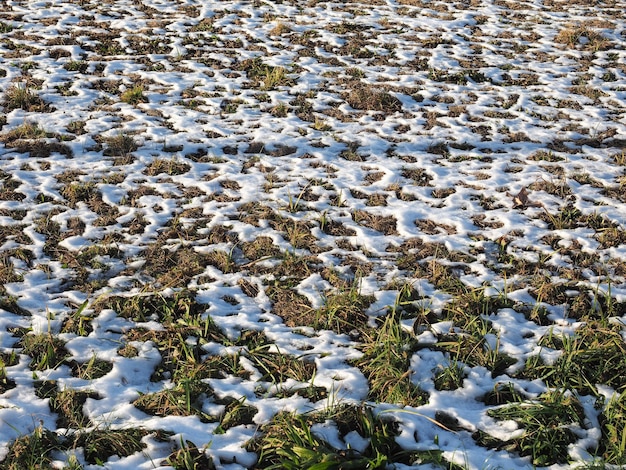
384,224
367,97
582,36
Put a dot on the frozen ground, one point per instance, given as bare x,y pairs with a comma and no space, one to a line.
209,211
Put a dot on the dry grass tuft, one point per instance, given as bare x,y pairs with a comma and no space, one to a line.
367,97
23,97
583,37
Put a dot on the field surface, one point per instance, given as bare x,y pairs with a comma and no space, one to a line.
309,234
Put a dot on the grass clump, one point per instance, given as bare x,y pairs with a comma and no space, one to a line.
23,97
93,369
364,97
384,224
28,130
7,270
8,190
176,268
289,441
47,351
134,96
31,451
419,176
78,323
80,66
545,422
183,363
67,404
265,77
292,307
169,167
279,29
613,425
280,110
120,145
79,191
273,77
182,400
386,358
583,37
277,367
222,260
474,350
343,310
190,457
101,444
30,138
6,360
143,307
468,311
236,413
261,247
450,377
595,354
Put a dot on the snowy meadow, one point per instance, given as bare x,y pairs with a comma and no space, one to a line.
312,234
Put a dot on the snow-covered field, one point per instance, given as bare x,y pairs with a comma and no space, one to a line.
215,213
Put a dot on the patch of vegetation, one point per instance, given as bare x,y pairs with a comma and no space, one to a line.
546,436
101,444
6,360
418,175
92,369
166,309
276,368
183,400
449,377
176,268
183,360
167,166
236,413
290,442
190,457
452,77
265,77
120,145
34,140
386,358
613,423
23,97
262,247
134,96
46,350
582,36
28,130
365,97
381,223
32,451
594,354
66,403
5,27
288,304
343,311
80,66
222,260
78,191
